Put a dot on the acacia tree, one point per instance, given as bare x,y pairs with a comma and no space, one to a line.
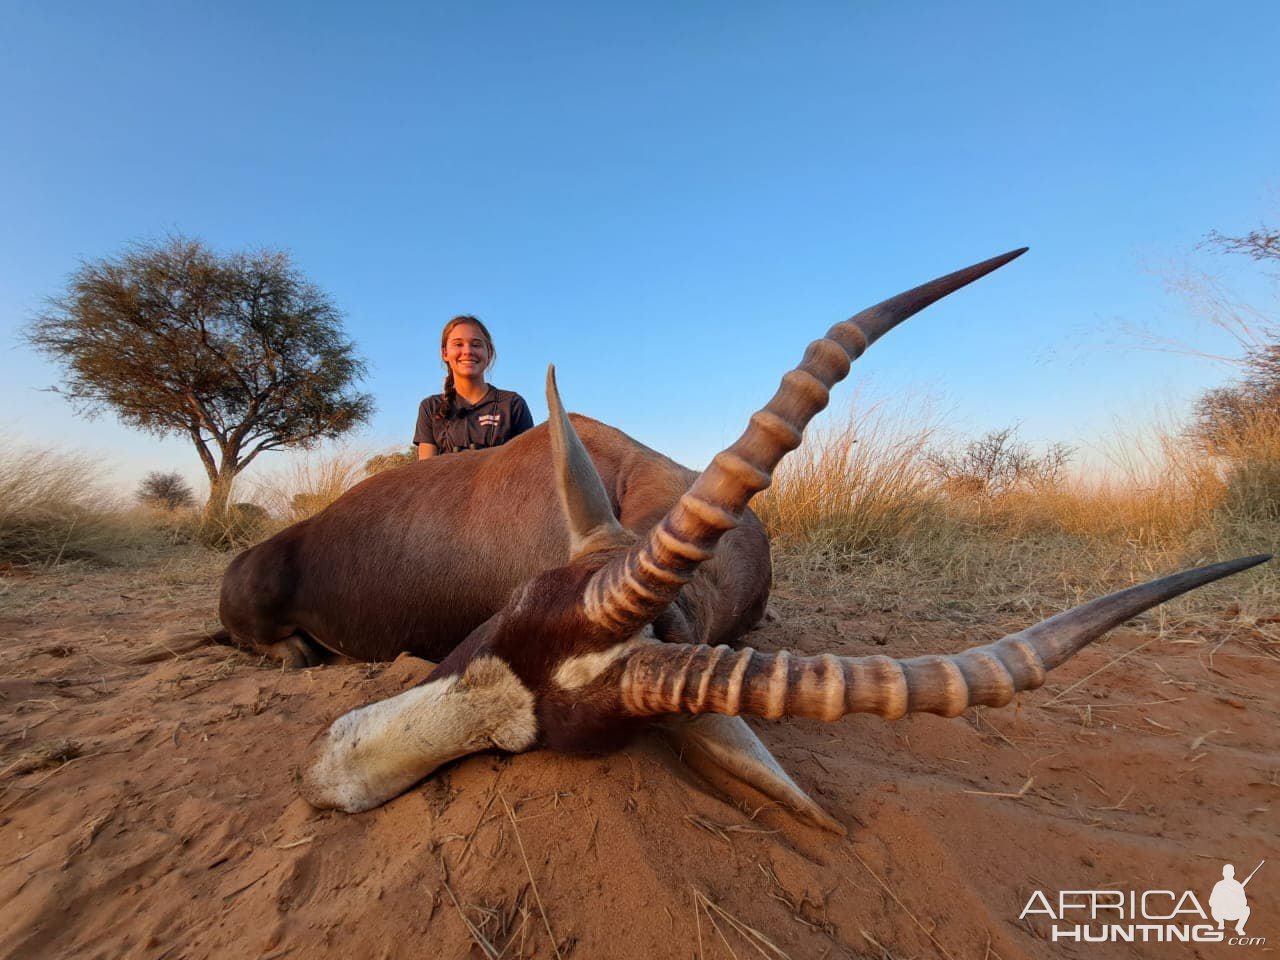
239,353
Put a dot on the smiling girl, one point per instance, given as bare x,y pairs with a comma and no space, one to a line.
470,414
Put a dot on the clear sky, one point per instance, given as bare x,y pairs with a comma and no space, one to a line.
668,200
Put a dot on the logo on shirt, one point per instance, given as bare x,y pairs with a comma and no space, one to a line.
489,419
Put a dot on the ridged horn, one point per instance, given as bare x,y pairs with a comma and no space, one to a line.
587,511
684,678
632,589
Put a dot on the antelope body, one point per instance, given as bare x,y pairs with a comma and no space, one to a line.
572,657
413,559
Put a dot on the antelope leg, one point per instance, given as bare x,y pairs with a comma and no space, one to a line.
369,755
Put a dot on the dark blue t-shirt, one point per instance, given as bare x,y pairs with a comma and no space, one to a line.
498,417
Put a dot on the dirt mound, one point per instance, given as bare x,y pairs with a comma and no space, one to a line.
148,810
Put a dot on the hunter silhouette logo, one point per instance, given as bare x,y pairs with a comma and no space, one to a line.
1228,900
1148,916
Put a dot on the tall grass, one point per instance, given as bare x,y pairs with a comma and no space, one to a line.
310,482
857,484
53,508
865,494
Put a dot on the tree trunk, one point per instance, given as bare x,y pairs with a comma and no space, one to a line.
219,495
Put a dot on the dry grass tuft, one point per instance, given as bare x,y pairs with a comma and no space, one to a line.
51,508
856,484
310,483
241,525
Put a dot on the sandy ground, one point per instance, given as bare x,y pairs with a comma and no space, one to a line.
173,829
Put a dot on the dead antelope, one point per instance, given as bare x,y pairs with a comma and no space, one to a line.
583,656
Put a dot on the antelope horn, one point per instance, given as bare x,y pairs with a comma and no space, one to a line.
684,678
725,752
592,525
635,587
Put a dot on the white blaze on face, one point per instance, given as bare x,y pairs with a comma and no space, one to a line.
372,754
576,672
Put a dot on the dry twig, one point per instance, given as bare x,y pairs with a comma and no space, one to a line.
762,944
887,889
1008,796
536,896
1105,666
477,937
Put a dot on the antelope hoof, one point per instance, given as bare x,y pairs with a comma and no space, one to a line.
293,652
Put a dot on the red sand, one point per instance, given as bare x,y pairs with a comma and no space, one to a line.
178,833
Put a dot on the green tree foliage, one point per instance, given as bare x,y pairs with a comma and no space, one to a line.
239,353
166,490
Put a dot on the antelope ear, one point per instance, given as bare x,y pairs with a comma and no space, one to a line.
375,753
726,752
587,511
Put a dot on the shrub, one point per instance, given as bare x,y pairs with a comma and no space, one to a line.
241,525
168,491
389,461
996,464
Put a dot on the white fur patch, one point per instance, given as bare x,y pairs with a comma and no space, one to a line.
372,754
576,672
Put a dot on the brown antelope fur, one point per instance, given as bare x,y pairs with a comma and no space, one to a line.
413,559
576,583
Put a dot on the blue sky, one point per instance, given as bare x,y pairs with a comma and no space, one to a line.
667,200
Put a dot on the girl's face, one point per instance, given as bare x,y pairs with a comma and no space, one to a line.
466,352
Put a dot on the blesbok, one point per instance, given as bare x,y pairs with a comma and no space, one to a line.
577,631
413,559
